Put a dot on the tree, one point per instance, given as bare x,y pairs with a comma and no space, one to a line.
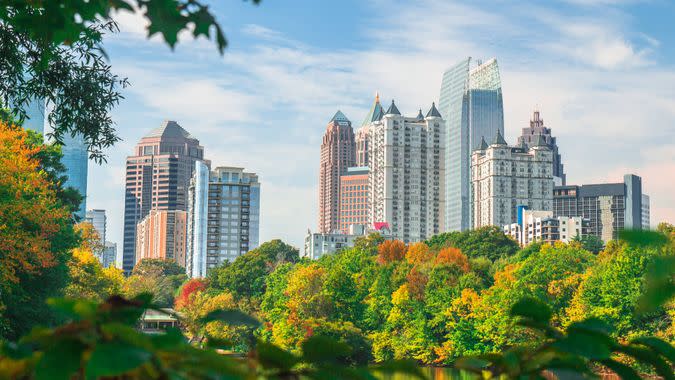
88,279
489,242
185,292
418,253
369,243
390,251
452,256
591,243
157,267
36,235
160,277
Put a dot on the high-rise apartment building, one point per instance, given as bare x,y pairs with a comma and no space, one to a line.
162,235
76,160
157,178
505,177
646,222
354,208
407,173
363,134
530,135
610,207
472,107
223,217
109,256
98,219
338,153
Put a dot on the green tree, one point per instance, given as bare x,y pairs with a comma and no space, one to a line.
159,277
489,242
591,243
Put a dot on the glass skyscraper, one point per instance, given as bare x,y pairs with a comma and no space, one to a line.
472,107
35,116
76,160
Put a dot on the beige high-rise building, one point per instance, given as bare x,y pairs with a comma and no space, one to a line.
337,154
406,161
505,177
363,134
162,235
157,178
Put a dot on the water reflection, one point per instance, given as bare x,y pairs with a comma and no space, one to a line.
435,373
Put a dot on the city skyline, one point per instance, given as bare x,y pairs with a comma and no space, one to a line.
576,94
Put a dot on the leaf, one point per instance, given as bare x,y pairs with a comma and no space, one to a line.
405,367
588,345
171,338
659,288
661,347
320,349
60,361
625,372
76,309
532,308
273,357
643,238
15,351
472,363
646,356
115,358
232,317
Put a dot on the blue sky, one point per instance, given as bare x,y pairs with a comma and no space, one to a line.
602,73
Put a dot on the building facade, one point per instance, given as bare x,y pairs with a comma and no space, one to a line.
338,152
363,134
609,207
157,178
162,235
98,219
76,160
505,177
224,217
471,104
407,173
541,226
321,244
646,222
109,256
354,196
530,135
36,114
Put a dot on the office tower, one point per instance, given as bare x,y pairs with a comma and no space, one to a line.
531,134
224,217
157,178
471,105
337,154
505,177
109,255
362,135
36,113
162,235
407,173
98,219
646,223
542,226
76,160
354,195
610,207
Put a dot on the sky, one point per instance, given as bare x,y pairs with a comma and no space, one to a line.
601,72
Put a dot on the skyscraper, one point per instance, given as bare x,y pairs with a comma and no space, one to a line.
35,116
471,105
646,223
76,160
531,134
363,134
98,219
223,217
407,173
338,153
157,178
504,178
610,207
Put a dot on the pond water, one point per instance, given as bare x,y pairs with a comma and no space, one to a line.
435,373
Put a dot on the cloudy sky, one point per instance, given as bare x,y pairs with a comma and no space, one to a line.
602,73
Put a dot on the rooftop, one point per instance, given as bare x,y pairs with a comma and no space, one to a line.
169,129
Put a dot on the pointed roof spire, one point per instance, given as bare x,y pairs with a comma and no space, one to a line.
433,112
420,116
392,109
499,139
340,118
376,112
483,145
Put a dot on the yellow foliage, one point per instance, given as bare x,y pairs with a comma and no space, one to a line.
418,253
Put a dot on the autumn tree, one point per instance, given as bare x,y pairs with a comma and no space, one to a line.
418,253
36,234
183,299
390,251
160,277
452,256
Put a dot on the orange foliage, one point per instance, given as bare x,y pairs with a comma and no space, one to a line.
418,253
191,287
452,256
30,214
417,282
390,251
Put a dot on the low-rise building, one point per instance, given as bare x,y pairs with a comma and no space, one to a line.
320,244
542,226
